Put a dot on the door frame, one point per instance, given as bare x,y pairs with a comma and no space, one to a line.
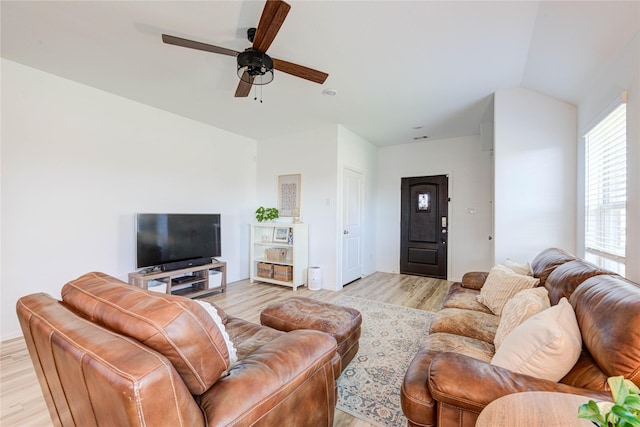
358,172
450,220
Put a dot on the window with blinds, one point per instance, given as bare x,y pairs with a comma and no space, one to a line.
606,191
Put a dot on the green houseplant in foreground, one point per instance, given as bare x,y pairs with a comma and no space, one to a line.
624,411
266,214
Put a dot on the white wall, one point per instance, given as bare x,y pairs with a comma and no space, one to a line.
77,163
313,154
623,73
320,155
469,170
535,174
358,154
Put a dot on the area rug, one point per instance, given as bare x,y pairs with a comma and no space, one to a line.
369,388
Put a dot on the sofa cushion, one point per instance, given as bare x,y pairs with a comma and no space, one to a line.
548,260
608,312
501,285
568,276
443,342
459,296
468,323
547,345
518,309
177,327
586,374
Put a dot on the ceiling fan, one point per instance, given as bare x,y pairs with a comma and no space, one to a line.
254,65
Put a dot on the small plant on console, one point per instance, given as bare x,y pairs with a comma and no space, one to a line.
266,214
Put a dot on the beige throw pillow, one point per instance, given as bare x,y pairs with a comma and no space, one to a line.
501,285
233,357
524,269
518,309
547,345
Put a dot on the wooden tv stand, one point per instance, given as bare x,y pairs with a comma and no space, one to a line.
196,283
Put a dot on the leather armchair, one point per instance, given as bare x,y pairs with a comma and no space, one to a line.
100,361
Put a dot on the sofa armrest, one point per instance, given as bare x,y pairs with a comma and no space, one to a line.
474,279
271,385
483,383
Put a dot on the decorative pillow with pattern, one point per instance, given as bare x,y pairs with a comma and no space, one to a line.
501,285
518,309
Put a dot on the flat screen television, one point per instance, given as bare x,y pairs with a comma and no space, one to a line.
175,239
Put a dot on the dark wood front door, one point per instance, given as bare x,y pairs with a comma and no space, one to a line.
424,225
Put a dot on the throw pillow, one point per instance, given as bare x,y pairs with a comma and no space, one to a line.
524,269
213,312
501,285
547,345
518,309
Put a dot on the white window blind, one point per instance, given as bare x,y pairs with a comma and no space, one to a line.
606,191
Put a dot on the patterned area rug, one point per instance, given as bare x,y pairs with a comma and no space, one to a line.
369,388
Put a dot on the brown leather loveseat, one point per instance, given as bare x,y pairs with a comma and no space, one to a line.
113,354
451,379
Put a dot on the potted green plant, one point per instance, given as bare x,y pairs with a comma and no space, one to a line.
266,214
624,411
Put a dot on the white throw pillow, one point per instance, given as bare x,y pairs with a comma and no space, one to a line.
524,269
233,357
518,309
501,285
547,345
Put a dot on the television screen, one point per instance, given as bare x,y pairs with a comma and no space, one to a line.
165,238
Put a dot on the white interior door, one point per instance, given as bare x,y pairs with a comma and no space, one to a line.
351,226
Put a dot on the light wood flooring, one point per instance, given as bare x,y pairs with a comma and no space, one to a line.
21,401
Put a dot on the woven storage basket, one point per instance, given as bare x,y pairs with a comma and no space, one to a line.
283,272
265,270
276,254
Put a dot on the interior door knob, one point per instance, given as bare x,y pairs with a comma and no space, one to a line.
345,232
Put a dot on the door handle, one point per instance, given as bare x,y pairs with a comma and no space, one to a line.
345,232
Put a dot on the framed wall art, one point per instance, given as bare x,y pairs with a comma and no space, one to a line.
289,195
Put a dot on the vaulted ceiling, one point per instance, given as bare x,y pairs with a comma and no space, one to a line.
401,69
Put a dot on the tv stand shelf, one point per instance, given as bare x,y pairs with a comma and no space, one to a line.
190,282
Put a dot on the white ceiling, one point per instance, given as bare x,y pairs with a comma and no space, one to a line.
396,65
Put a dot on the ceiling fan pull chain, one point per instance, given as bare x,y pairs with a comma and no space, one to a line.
255,91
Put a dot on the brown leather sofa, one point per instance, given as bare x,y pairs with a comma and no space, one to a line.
113,354
451,380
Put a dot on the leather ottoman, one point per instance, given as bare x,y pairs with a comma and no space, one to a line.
342,323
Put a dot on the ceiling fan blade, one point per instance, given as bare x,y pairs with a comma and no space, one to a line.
178,41
300,71
243,87
273,15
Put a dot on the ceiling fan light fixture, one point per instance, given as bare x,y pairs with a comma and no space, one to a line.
253,63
